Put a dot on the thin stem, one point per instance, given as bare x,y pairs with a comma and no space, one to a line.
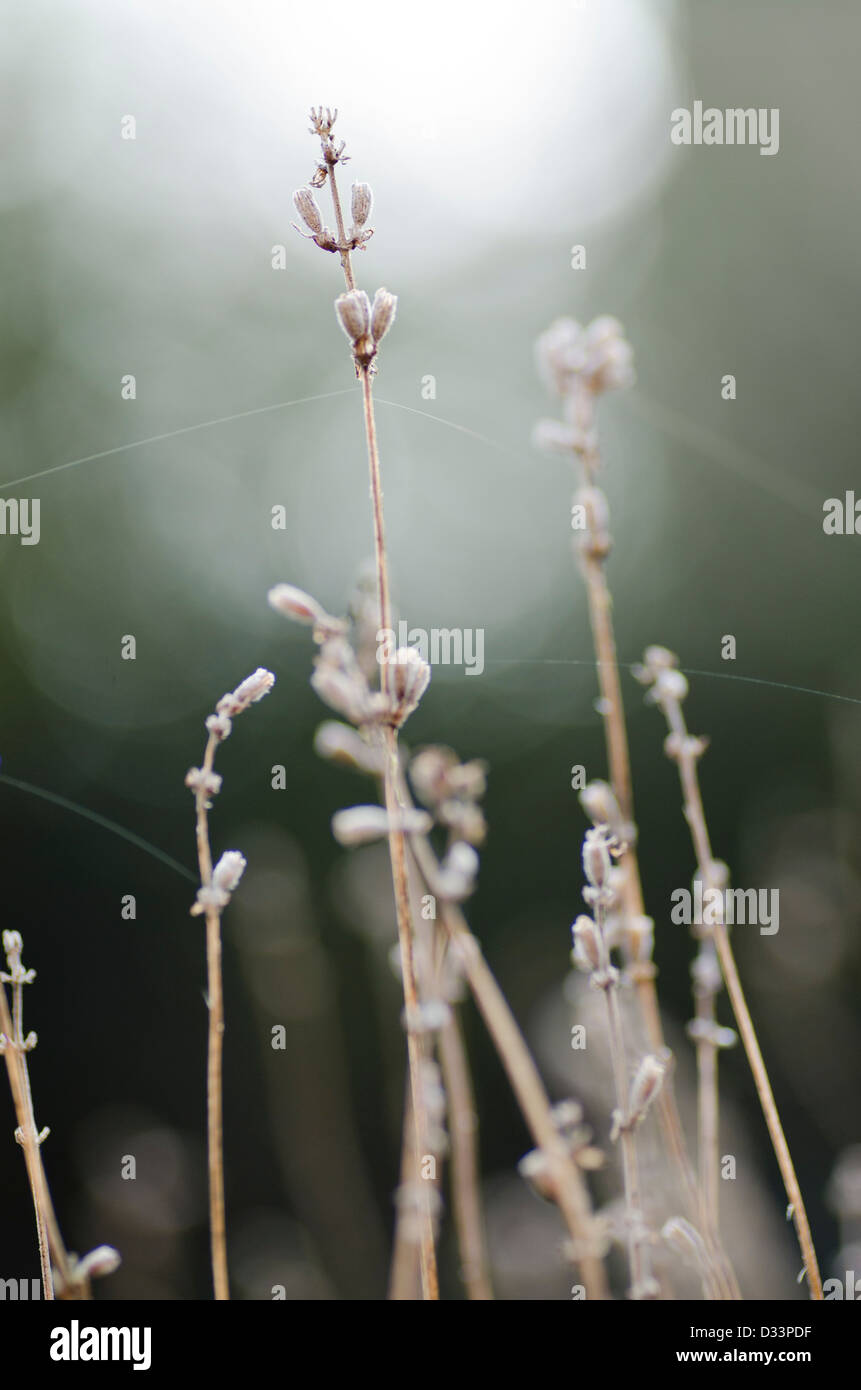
397,851
570,1187
215,1043
638,1255
50,1240
695,817
463,1129
581,407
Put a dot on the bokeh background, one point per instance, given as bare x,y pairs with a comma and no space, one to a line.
495,138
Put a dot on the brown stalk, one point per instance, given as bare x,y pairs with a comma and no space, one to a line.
695,816
397,850
619,765
215,1046
50,1240
570,1187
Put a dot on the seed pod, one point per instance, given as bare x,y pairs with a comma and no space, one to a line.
587,944
645,1086
361,203
410,678
296,604
229,870
354,314
307,208
596,857
599,802
383,315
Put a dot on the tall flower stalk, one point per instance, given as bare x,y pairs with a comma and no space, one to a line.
63,1274
667,688
578,365
216,887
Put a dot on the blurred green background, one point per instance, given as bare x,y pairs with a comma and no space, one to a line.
495,139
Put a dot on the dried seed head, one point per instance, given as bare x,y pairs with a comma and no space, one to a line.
383,314
704,1030
706,974
229,870
684,747
410,678
599,802
296,604
354,314
359,825
669,685
555,437
215,895
641,939
457,872
197,780
645,1086
306,206
429,773
219,725
596,857
252,689
464,819
597,358
323,120
347,693
340,744
587,954
100,1262
535,1170
361,203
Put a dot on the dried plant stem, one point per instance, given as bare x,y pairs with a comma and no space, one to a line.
397,849
695,817
405,1270
215,1043
636,1235
50,1240
708,1101
619,764
593,560
571,1192
463,1129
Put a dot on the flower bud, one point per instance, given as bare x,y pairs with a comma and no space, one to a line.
383,314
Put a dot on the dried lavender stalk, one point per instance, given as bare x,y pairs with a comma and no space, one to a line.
578,365
593,953
365,325
70,1277
214,894
667,689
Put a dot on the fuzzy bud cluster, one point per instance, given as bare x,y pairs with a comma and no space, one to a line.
360,825
597,358
452,790
364,323
215,895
